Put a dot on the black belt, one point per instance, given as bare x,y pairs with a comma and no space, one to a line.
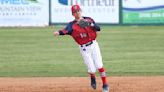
87,44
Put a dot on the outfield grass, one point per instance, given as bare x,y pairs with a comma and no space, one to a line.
126,50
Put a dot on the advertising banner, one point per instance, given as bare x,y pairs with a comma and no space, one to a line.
143,11
102,11
24,12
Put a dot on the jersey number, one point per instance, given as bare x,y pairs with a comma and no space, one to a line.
83,35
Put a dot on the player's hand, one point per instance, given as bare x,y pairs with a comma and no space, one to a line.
56,33
90,22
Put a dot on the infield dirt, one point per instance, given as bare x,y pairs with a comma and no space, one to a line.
81,84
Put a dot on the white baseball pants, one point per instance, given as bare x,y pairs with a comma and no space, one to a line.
92,56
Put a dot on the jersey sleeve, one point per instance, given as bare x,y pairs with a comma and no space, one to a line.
67,30
93,23
95,26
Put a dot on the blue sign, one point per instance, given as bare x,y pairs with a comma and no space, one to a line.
64,2
14,2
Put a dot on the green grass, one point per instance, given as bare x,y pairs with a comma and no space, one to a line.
126,50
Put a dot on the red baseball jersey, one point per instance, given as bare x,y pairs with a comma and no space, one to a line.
81,35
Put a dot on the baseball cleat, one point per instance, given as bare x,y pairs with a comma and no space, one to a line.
105,88
93,83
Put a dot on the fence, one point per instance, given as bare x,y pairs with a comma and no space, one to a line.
49,12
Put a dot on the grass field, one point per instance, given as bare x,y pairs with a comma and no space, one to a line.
126,50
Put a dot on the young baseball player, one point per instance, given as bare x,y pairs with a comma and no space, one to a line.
84,32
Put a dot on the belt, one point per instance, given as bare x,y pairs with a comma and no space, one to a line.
87,44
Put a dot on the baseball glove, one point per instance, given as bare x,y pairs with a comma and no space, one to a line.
84,23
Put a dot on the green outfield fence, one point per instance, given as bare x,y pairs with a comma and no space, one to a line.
133,16
105,12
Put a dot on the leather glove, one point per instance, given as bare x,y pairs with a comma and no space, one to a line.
84,23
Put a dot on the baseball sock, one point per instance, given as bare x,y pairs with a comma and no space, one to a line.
103,75
92,75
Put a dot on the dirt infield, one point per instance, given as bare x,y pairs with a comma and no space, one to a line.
81,84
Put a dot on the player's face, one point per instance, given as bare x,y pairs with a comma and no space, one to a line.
77,14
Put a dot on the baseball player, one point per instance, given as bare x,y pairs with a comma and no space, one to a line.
84,32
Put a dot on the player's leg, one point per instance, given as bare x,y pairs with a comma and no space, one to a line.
93,80
86,54
96,54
